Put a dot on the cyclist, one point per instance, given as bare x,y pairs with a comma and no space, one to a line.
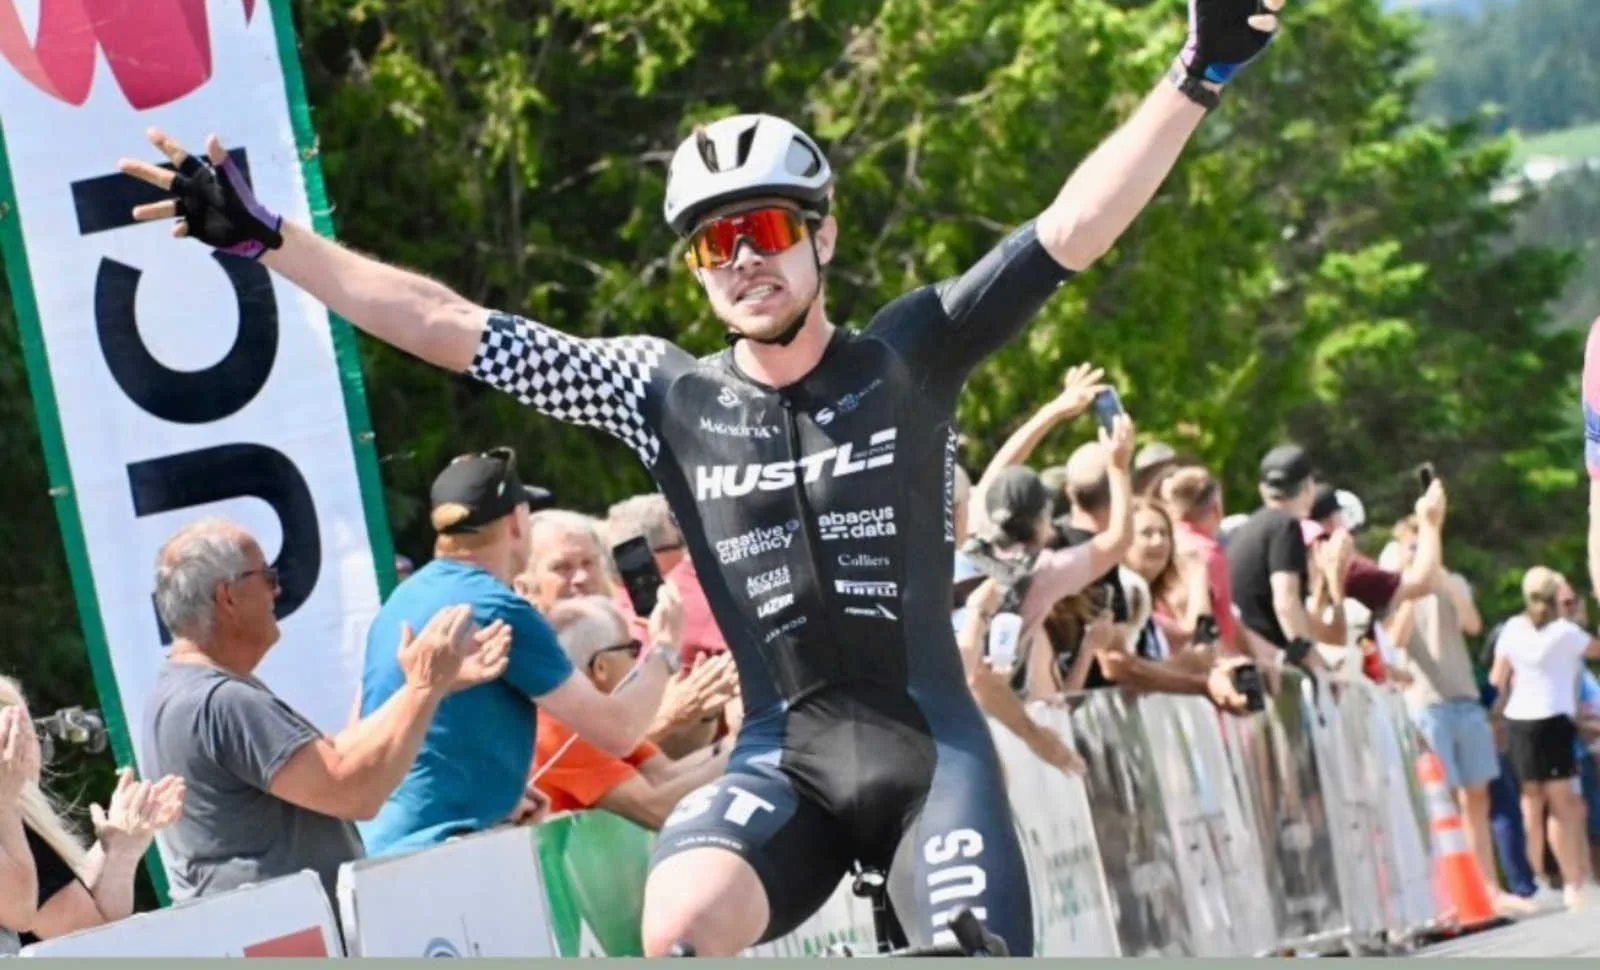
811,470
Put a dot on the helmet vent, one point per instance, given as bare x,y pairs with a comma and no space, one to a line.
707,148
803,159
746,139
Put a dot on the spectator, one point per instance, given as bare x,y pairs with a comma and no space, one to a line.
1194,498
1587,718
1180,589
472,770
649,516
1151,466
267,793
50,885
1078,390
1098,536
644,785
990,683
567,559
1442,696
1537,661
1269,567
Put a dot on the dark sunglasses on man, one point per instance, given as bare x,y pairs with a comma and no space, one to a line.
633,647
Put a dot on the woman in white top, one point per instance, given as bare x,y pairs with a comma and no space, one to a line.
1538,659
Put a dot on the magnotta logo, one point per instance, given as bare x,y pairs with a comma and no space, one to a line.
732,481
158,50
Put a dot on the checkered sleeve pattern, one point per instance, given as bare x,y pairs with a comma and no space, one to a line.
602,383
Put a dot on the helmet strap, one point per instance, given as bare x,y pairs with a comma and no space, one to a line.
786,336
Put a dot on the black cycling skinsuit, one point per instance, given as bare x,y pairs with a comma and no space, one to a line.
819,520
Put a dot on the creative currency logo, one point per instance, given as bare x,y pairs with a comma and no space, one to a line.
158,50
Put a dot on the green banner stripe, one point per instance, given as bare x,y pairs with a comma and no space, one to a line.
42,387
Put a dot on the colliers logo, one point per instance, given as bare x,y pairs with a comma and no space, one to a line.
732,481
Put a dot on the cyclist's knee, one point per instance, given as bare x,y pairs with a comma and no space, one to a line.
710,899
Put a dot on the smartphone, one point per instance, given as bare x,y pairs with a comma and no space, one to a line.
640,577
1425,475
1106,407
1004,631
1247,681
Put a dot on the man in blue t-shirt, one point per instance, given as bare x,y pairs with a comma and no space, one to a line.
473,767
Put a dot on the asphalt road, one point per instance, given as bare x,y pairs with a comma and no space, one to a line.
1560,934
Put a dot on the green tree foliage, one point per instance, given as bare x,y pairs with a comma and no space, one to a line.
1536,60
1319,264
1565,213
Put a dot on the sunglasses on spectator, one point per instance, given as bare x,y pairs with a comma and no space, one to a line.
634,648
769,231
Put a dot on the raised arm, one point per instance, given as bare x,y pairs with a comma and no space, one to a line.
1078,389
1118,179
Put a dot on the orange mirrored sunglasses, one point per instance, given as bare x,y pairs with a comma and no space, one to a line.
769,231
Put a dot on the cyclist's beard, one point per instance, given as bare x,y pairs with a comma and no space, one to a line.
791,330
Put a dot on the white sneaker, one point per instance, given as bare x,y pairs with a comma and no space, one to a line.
1581,897
1546,899
1510,904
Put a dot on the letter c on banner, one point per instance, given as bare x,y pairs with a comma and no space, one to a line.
234,471
105,203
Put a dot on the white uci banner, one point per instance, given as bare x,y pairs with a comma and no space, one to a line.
172,383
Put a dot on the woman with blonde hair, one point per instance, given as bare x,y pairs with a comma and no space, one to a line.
50,884
1537,662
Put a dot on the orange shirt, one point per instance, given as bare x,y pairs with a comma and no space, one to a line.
583,774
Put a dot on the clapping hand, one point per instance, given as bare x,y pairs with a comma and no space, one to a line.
138,810
19,754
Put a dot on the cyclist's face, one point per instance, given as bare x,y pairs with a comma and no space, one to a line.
760,293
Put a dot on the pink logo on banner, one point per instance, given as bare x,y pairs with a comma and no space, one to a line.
159,50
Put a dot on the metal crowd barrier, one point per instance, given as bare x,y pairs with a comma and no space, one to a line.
1298,830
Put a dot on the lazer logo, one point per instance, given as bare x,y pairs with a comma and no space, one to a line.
756,541
158,50
953,878
733,481
777,604
860,560
768,582
762,431
876,612
875,523
851,587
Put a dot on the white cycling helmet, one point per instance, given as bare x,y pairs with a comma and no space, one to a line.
744,157
1351,511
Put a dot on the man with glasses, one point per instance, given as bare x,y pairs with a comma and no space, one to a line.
268,794
643,785
812,471
472,770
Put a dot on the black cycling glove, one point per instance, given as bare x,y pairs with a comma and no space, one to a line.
218,208
1221,39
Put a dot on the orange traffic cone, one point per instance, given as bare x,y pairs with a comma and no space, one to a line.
1458,880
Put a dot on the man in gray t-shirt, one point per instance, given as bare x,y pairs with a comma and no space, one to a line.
270,795
227,737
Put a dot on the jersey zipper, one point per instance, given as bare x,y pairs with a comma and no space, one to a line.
813,543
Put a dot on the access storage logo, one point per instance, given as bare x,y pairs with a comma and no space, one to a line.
60,60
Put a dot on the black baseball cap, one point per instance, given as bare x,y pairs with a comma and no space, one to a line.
487,486
1285,468
1016,500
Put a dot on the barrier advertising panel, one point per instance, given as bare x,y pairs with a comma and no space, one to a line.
288,917
477,896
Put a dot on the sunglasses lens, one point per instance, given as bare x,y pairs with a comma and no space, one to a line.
768,230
